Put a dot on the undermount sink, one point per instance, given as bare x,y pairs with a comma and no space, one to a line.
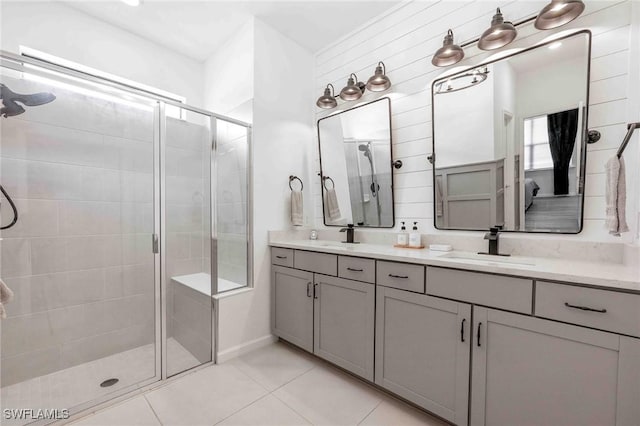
487,259
335,245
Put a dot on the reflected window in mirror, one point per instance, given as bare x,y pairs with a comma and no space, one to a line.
355,163
510,147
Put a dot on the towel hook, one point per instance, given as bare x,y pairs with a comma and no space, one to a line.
324,182
292,178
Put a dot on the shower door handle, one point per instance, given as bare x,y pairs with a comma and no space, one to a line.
155,246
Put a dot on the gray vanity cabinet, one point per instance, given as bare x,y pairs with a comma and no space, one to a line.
528,371
423,351
344,312
292,305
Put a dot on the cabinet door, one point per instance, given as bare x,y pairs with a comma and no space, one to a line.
292,306
423,351
530,371
344,314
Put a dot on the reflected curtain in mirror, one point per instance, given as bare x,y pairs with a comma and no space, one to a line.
562,128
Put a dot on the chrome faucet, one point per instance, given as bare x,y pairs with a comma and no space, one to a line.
350,230
494,238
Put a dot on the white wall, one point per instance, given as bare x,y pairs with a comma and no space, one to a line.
65,32
282,139
469,117
405,40
228,75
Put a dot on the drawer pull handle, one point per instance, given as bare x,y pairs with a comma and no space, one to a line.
584,308
315,291
281,257
398,276
479,325
462,330
354,269
309,289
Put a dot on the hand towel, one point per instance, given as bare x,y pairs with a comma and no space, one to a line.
616,196
297,209
333,208
5,296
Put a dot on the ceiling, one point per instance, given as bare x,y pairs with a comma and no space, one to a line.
197,28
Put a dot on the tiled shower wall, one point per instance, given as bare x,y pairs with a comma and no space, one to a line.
232,203
406,37
79,259
187,196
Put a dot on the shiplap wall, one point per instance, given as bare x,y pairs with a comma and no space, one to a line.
406,37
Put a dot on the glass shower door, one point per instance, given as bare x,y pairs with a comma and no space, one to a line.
187,241
77,159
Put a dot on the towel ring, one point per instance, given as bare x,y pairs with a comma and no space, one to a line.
324,182
292,178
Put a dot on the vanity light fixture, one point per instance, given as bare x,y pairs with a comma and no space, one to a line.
328,100
379,82
352,91
449,53
558,13
499,34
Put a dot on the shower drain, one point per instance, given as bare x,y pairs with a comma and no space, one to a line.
108,382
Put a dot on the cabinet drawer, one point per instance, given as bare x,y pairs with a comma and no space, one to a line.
602,309
403,276
321,263
282,257
356,268
497,291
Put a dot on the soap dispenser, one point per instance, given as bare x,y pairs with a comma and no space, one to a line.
403,237
414,236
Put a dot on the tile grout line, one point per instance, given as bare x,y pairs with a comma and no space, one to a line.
244,408
290,407
144,395
372,410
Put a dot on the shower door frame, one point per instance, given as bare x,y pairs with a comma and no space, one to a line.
17,63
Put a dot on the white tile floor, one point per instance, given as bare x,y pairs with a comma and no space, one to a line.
275,385
75,385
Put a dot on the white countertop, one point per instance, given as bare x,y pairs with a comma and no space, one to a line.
614,276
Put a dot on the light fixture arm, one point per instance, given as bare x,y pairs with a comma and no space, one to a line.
384,68
333,90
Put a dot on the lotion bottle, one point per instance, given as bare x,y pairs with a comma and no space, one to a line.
403,237
414,236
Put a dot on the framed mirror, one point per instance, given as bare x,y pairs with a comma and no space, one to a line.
355,166
509,140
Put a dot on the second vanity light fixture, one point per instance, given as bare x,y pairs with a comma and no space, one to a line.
354,89
501,32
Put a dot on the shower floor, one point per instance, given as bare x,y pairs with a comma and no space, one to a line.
73,386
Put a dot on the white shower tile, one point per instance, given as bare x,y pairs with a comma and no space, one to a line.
16,257
37,218
49,255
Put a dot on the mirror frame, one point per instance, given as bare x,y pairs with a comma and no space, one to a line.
393,197
584,132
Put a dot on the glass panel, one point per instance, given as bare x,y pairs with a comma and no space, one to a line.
188,242
232,219
77,160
